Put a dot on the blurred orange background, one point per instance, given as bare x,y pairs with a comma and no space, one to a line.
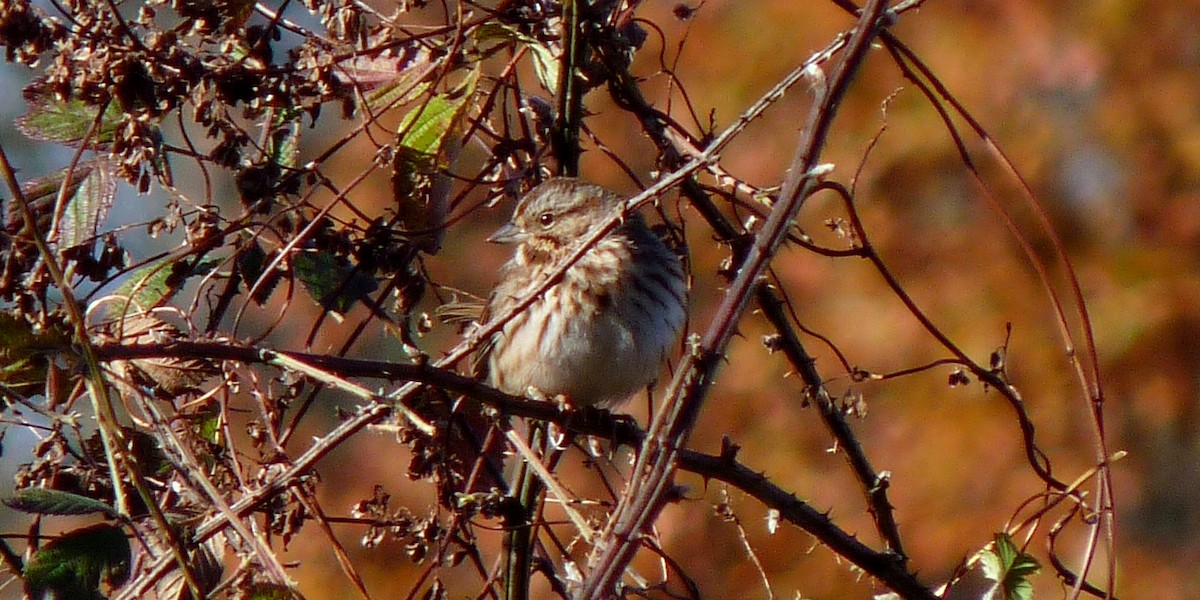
1095,103
1098,106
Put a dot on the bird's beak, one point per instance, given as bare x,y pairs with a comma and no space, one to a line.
507,234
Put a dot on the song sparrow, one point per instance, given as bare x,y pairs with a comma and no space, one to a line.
602,332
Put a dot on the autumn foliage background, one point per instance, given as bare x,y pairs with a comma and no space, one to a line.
1094,102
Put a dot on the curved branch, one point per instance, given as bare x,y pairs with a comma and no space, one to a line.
674,145
874,485
886,566
652,477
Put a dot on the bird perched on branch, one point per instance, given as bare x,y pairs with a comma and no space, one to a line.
601,332
595,336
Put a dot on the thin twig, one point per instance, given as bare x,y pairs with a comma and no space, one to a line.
121,461
652,476
882,565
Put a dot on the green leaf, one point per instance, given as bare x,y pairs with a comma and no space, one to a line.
284,144
208,427
1010,569
24,351
147,287
54,502
425,146
155,283
546,65
332,281
42,194
424,128
269,591
75,564
51,119
252,261
402,91
88,207
545,61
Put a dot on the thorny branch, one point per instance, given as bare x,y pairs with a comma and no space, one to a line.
300,206
628,97
652,477
885,566
1088,370
675,146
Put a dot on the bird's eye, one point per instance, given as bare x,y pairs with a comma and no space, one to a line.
546,219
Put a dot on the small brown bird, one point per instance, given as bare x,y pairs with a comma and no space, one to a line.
602,332
595,337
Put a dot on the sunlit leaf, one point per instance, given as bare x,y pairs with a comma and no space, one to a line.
53,120
155,283
426,145
424,128
88,207
147,287
75,564
284,148
208,427
1010,569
